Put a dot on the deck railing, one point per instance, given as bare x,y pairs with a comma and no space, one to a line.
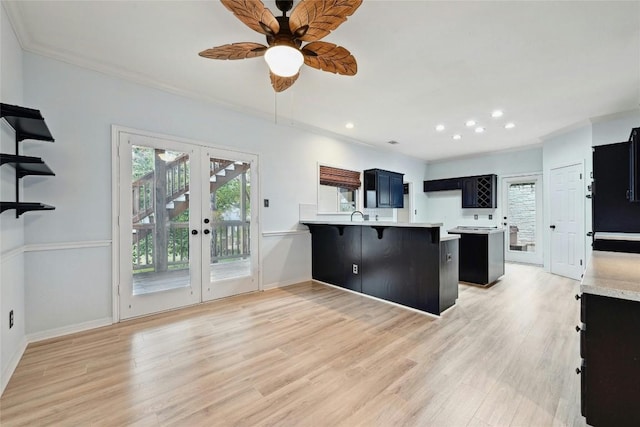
229,240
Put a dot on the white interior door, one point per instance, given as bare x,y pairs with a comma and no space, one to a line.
186,228
522,218
567,221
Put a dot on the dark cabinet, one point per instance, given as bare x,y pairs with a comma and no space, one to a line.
481,258
634,165
27,124
336,250
442,184
610,370
612,211
479,191
383,189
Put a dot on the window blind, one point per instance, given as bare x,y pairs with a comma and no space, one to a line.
343,178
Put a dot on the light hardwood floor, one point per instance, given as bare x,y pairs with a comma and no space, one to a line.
312,355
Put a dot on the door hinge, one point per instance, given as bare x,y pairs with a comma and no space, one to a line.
580,262
580,176
118,290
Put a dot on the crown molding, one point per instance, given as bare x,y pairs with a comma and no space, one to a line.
17,23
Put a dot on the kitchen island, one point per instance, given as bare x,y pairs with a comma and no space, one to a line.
405,263
481,254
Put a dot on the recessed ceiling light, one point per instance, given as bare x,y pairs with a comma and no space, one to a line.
496,114
457,136
349,125
479,129
510,125
440,128
470,123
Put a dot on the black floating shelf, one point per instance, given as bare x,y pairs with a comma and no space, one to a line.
23,207
26,165
27,122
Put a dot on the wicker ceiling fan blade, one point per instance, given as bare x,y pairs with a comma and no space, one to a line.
330,57
254,14
282,83
312,20
243,50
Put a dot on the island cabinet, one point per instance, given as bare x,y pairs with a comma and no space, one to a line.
383,189
481,254
399,264
610,339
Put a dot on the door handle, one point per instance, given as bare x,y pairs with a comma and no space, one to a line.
194,232
553,227
207,231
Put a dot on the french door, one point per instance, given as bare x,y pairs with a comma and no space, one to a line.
186,227
522,218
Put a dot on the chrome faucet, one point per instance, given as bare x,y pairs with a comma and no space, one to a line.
355,212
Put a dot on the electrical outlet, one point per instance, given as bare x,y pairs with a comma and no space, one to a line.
11,319
490,216
475,216
355,268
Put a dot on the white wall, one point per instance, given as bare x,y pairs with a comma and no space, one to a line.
12,341
80,106
614,128
446,206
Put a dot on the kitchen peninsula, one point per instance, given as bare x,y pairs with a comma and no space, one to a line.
406,263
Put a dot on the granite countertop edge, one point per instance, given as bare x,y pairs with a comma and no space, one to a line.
376,223
613,274
478,231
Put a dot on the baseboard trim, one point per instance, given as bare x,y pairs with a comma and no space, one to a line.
66,330
286,283
415,310
13,364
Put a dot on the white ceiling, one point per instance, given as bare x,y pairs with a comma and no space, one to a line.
548,65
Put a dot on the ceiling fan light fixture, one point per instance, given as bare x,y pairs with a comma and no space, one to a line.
284,60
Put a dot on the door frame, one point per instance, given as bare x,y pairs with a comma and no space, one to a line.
547,230
528,177
116,130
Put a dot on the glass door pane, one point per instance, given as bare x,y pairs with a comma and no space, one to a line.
522,217
160,220
522,211
231,195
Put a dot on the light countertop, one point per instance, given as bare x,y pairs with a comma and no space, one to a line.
377,223
449,237
613,274
475,230
631,237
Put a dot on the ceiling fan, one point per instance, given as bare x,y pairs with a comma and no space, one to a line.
310,21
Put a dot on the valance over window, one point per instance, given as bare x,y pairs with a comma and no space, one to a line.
343,178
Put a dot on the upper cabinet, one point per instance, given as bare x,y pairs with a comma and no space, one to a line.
383,189
27,124
634,161
477,191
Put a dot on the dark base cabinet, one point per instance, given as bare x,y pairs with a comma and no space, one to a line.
481,257
610,372
398,264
